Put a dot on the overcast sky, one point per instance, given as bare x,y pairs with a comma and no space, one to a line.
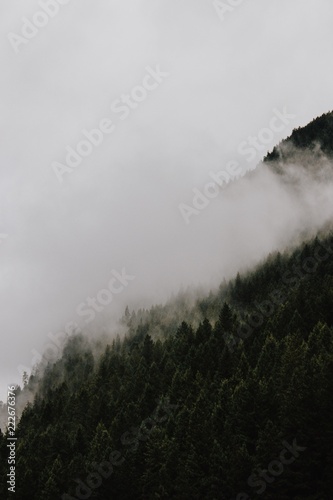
215,78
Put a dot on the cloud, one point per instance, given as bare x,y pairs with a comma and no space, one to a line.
119,208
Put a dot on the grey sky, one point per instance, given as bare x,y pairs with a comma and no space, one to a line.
119,208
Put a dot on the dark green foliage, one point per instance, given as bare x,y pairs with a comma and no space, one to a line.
201,395
319,132
195,411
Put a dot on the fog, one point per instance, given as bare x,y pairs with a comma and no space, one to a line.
206,85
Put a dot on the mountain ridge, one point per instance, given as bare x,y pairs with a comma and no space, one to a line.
200,396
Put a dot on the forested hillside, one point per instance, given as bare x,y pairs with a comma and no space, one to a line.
316,136
211,396
238,407
166,250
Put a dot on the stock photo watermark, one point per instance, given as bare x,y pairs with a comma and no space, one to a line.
132,438
88,309
252,148
274,469
105,296
40,19
211,190
122,107
267,308
11,439
223,9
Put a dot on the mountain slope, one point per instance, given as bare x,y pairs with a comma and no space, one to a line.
317,135
219,396
196,415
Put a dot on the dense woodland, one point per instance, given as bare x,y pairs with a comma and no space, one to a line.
200,400
196,412
317,135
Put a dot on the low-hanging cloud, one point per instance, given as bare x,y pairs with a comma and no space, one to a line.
119,208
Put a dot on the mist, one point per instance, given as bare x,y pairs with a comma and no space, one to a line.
116,213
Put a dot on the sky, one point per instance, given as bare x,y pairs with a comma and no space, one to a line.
114,116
